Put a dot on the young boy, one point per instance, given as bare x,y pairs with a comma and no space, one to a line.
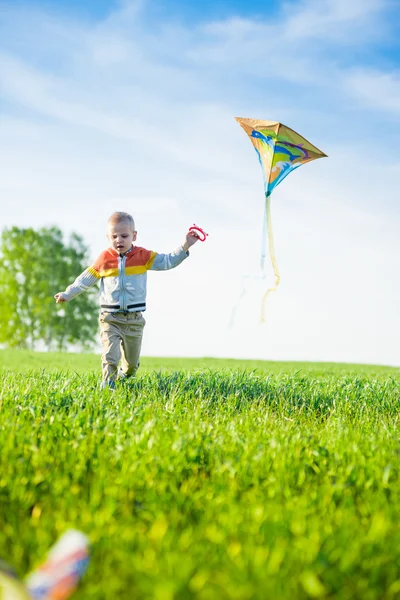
122,270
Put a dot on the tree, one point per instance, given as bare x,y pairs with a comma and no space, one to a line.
34,265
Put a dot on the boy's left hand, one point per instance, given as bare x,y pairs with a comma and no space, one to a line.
191,238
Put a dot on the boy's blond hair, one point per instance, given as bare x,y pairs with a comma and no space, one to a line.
120,217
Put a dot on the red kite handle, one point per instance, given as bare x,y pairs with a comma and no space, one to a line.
199,230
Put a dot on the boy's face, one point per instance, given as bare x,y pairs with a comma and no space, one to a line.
121,235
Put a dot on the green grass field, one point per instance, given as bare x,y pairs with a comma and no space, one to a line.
205,478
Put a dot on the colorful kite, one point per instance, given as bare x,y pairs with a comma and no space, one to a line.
280,150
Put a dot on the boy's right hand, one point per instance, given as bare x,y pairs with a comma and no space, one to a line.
59,298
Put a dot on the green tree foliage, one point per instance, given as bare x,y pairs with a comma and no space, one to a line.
35,265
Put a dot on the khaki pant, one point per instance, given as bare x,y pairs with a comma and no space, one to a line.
121,337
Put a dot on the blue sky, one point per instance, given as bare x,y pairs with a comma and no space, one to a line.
130,106
172,10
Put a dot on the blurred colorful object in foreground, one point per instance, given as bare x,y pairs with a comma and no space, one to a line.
280,150
59,576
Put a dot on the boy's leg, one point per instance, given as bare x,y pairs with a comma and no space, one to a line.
132,343
111,337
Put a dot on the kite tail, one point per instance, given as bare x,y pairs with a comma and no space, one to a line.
271,254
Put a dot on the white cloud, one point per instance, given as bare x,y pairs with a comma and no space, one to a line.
333,19
376,89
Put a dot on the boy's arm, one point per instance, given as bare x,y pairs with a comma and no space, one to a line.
83,282
164,262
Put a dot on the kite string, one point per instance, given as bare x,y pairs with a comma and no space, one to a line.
268,225
266,233
264,237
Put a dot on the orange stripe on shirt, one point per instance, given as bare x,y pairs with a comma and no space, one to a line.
108,260
138,257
